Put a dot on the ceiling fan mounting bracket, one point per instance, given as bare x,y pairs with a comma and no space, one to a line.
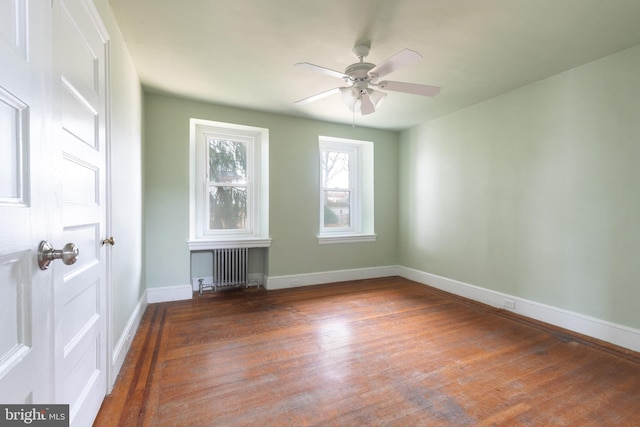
361,50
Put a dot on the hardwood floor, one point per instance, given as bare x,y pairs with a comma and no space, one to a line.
376,352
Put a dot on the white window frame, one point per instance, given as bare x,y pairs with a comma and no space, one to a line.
257,232
360,186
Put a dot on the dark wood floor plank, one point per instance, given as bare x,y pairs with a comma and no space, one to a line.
375,352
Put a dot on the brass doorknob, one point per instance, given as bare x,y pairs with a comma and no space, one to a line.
109,240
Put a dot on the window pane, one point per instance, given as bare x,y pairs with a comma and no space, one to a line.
335,169
227,161
336,209
227,208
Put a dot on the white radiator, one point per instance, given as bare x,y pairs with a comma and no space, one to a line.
230,267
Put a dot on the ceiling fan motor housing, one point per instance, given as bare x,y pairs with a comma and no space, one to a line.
359,71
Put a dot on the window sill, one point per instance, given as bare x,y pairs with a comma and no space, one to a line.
247,242
329,239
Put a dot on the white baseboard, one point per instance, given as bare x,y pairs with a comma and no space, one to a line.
169,293
124,342
603,330
295,280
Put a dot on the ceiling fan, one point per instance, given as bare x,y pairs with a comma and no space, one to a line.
361,92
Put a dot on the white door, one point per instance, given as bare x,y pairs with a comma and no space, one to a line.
26,311
52,187
79,122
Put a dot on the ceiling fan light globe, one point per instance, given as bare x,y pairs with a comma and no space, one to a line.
356,106
376,97
349,96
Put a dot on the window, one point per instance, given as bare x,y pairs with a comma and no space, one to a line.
346,191
229,191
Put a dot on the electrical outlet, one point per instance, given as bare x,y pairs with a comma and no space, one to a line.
509,304
295,282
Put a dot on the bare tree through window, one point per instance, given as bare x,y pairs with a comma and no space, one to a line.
228,181
337,188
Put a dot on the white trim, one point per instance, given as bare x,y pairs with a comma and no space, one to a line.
112,371
126,338
203,245
328,239
96,21
295,280
169,293
258,168
361,181
603,330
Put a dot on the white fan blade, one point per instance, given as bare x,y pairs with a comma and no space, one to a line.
323,70
366,106
413,88
318,96
401,59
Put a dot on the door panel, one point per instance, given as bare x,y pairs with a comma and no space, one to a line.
26,309
14,26
16,329
14,147
80,290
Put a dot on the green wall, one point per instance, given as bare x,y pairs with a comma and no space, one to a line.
293,191
535,193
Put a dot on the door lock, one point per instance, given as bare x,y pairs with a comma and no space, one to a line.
109,240
46,254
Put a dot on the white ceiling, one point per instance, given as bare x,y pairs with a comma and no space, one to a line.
241,52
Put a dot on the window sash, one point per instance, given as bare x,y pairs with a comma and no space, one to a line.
242,208
353,188
237,217
234,170
234,215
335,217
